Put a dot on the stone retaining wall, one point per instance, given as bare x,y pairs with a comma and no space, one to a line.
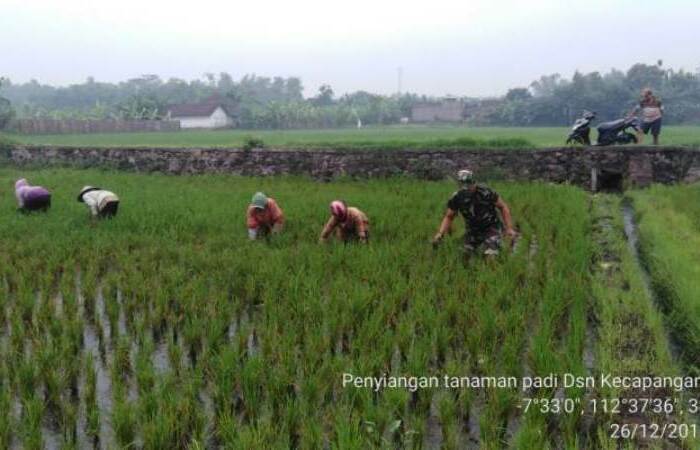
588,167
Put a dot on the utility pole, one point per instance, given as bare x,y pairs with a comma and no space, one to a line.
400,78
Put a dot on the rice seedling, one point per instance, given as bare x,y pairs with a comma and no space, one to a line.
6,423
92,427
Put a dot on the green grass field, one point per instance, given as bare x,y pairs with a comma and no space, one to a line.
669,226
167,328
370,137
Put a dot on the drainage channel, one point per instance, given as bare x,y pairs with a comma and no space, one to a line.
632,235
675,344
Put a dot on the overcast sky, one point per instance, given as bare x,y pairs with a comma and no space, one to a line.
464,47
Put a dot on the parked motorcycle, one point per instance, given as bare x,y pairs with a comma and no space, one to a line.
615,132
581,130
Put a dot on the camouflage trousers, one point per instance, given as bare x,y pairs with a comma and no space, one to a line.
488,240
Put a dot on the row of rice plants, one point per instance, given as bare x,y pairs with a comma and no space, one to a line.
631,338
669,238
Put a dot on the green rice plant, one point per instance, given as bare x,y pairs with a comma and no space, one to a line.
6,422
668,239
174,354
251,384
122,358
69,424
27,378
124,420
32,413
92,426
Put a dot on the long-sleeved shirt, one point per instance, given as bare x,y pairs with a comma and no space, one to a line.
25,193
271,215
355,222
96,200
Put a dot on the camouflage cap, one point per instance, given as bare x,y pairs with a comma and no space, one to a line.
465,176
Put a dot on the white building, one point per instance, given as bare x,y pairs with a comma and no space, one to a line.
201,115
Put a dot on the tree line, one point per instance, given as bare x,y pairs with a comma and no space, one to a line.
553,100
279,103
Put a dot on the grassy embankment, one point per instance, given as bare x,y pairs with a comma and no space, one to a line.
669,226
382,137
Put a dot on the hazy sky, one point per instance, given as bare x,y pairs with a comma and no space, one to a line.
465,47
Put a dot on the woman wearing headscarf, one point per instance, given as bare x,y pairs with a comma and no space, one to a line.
31,198
348,222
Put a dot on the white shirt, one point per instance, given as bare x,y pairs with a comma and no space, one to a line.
96,200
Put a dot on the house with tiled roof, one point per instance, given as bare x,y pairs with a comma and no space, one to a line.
211,113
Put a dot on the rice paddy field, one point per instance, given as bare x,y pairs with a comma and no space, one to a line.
165,328
384,137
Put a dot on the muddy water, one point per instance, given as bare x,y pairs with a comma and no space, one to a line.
160,358
121,321
433,433
102,318
633,239
104,382
208,409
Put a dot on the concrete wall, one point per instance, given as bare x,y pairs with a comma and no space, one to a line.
446,111
68,126
637,166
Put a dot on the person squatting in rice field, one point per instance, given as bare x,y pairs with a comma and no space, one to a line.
348,222
31,198
479,205
102,204
263,216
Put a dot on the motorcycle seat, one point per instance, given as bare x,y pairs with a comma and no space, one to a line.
611,125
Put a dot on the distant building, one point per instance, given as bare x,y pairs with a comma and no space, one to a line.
481,111
449,109
208,114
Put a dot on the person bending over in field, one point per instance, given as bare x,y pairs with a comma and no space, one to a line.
31,198
478,205
652,111
103,204
263,217
348,222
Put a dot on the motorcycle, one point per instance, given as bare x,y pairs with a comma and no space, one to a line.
615,132
581,130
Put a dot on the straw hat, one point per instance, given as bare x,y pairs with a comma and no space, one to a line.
85,190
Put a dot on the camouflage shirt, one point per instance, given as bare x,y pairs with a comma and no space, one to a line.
478,208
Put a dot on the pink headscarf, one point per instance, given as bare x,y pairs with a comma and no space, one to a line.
338,209
22,182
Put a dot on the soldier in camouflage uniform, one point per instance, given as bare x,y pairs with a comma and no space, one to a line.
477,204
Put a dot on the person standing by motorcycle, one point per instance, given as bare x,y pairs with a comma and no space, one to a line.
478,204
652,111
